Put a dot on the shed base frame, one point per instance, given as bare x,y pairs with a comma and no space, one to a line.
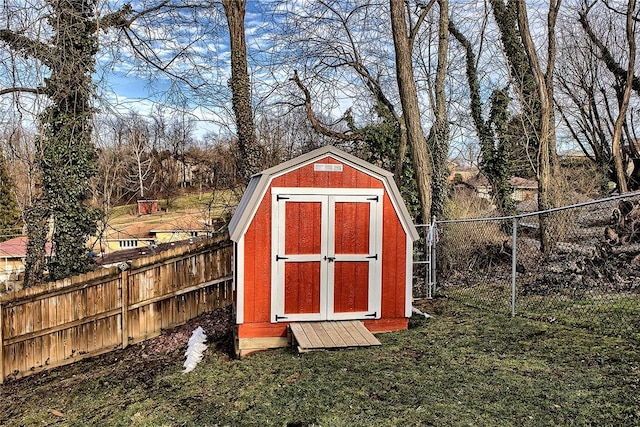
253,337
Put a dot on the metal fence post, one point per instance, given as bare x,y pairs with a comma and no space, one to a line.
514,256
432,255
427,261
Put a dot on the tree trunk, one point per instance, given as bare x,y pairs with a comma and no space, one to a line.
548,167
616,149
250,157
438,140
68,156
410,108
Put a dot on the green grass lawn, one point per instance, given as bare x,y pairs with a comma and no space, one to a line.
462,367
608,312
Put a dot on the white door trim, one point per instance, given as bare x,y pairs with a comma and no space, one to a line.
328,198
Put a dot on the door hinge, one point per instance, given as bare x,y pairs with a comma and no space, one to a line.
374,314
280,317
373,256
279,197
373,198
278,257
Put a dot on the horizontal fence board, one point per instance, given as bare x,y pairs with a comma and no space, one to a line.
61,322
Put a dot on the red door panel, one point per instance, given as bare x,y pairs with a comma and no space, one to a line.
352,228
302,287
303,224
351,287
302,239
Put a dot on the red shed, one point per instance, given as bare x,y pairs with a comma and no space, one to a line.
324,236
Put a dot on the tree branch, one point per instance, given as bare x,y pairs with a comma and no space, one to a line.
37,91
149,61
27,47
315,123
413,31
605,54
126,16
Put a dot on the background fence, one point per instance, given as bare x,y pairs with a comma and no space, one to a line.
61,322
590,277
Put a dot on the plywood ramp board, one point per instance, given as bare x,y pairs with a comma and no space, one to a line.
311,336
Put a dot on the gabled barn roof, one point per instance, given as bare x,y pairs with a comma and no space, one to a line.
259,184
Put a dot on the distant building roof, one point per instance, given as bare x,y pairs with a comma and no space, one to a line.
135,253
515,182
138,230
17,247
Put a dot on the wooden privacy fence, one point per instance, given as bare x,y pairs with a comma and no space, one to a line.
61,322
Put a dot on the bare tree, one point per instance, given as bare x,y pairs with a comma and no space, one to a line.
548,165
250,155
344,75
594,83
19,148
10,218
403,38
535,86
621,176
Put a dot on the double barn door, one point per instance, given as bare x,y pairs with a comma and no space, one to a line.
326,254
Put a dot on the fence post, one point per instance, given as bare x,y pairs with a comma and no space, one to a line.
427,262
1,346
124,301
514,256
432,255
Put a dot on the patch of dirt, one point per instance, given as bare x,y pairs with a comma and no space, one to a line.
216,324
576,275
134,365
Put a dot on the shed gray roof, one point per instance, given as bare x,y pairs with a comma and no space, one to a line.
259,184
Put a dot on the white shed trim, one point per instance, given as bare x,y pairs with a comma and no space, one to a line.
239,282
408,311
259,183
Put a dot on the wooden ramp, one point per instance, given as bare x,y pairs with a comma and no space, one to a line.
311,336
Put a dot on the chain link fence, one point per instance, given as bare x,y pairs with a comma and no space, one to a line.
588,276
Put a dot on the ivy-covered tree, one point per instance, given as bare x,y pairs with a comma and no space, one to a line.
535,87
10,217
250,153
67,156
496,148
65,48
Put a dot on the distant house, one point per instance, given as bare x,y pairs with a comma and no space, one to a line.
125,237
182,229
522,189
13,254
155,231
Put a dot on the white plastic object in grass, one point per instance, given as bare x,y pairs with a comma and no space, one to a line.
195,349
417,311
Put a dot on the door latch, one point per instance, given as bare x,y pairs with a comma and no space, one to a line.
329,258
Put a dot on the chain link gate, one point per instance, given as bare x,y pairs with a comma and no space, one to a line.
424,263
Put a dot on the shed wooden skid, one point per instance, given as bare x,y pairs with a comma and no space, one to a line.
323,237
